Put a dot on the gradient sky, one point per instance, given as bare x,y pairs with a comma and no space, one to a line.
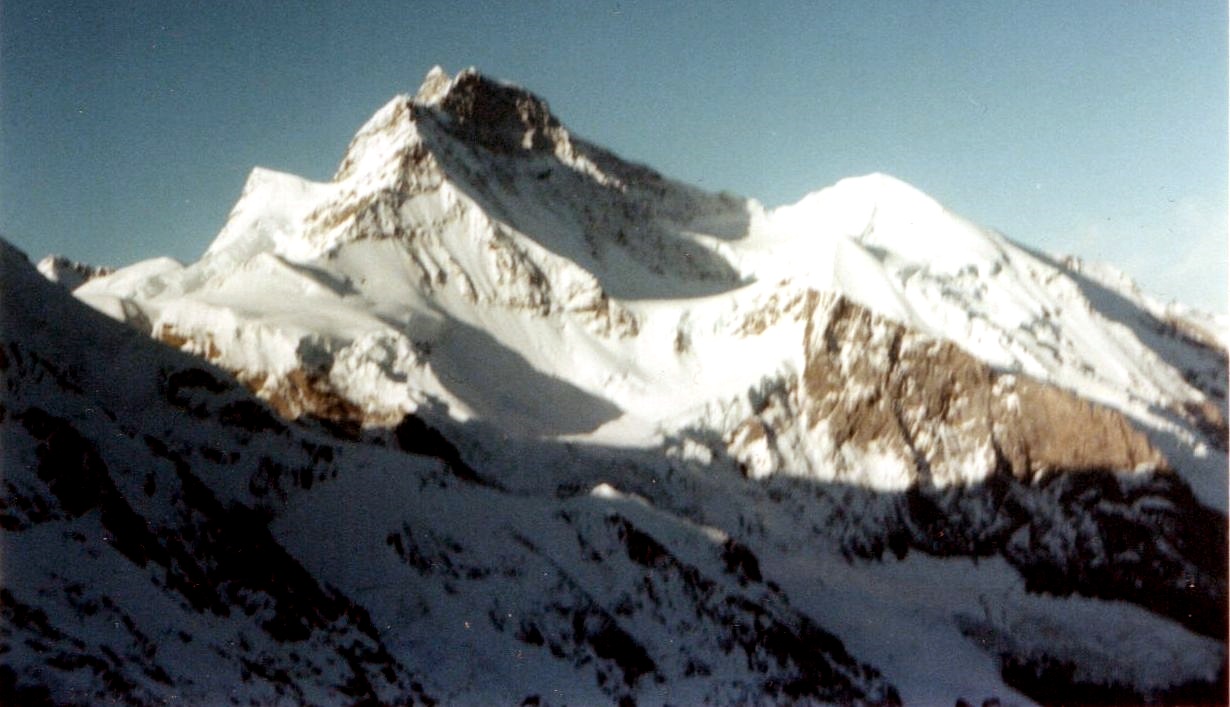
1096,128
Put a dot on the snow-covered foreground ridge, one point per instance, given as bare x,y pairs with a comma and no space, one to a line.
519,414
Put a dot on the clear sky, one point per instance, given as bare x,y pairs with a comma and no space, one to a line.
1097,128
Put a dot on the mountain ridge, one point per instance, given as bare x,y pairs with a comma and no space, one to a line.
476,230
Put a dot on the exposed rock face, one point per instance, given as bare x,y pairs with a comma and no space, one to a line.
499,117
1051,430
870,384
1210,419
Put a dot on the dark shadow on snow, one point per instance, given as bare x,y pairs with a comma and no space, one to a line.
1142,539
480,370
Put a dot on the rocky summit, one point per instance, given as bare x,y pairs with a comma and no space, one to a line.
495,416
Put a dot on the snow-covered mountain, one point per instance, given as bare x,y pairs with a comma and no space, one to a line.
502,416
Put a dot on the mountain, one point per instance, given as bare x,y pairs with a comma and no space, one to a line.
495,415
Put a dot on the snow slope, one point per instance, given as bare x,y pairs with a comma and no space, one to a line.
882,408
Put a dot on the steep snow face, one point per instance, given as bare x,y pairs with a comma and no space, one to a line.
270,216
473,258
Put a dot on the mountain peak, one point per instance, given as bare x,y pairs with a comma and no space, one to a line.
69,273
471,108
500,116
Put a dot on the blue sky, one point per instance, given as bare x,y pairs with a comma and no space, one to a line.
1098,128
